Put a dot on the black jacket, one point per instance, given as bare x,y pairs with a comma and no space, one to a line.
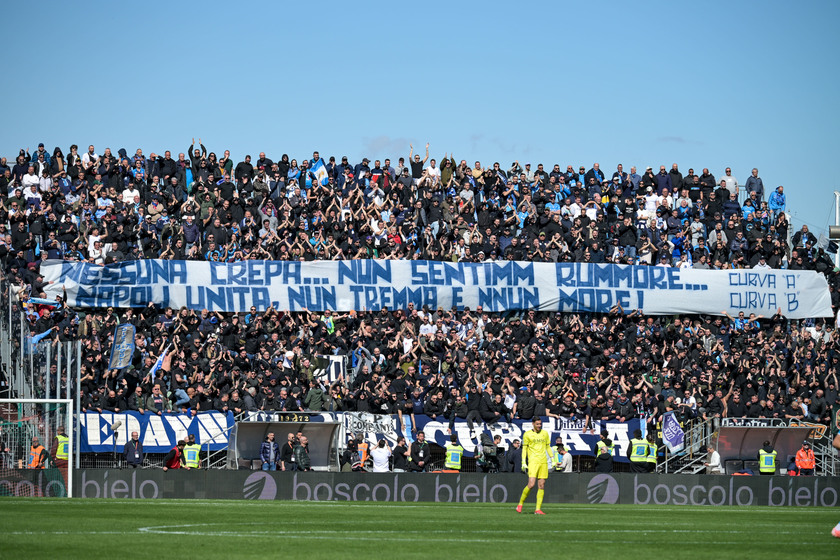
420,452
604,463
513,460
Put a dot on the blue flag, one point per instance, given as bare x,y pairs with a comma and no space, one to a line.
39,337
319,172
31,344
158,363
123,347
41,301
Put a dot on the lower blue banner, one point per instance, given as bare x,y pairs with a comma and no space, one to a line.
101,433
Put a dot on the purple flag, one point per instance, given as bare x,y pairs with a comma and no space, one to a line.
672,433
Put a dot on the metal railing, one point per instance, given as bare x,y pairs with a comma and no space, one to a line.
827,458
217,459
702,434
698,436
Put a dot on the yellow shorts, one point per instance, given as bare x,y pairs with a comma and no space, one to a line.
538,470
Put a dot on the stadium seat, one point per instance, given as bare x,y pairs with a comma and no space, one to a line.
733,465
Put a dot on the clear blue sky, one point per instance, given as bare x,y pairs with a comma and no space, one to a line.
706,84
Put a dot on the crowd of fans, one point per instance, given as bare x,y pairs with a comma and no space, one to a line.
451,364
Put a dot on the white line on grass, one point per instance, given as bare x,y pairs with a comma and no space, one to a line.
202,529
379,535
374,536
715,510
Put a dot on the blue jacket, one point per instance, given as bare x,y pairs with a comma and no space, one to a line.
47,158
265,451
777,201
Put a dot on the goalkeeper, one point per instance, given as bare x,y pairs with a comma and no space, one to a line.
536,454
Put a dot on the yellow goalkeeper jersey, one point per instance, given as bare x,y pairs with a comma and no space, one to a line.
536,447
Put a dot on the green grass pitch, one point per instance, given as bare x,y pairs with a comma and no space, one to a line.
62,528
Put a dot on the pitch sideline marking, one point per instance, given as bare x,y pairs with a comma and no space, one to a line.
783,510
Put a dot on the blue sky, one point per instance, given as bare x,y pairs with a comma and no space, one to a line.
709,84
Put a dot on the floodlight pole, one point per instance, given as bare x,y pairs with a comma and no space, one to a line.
78,400
837,223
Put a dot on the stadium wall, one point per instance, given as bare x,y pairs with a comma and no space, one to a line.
583,488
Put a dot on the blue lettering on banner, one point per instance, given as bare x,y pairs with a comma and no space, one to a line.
501,299
312,297
127,273
589,275
570,430
439,273
752,279
385,284
753,300
374,427
364,272
158,434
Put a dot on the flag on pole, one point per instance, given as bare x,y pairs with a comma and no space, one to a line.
39,337
158,363
41,301
122,348
31,347
319,172
672,434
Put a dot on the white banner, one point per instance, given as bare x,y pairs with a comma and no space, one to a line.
496,286
371,426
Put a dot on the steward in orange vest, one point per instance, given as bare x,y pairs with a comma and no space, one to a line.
805,460
37,455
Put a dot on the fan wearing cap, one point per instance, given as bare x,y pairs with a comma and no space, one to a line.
805,460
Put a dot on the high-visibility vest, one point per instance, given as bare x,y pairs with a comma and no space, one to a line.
766,461
364,451
805,459
638,450
191,458
63,449
557,457
454,452
35,457
604,448
652,451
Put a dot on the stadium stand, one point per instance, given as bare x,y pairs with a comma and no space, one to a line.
106,208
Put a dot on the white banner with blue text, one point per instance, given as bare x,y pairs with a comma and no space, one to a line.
497,286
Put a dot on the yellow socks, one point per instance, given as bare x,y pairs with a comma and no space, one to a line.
540,493
524,497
